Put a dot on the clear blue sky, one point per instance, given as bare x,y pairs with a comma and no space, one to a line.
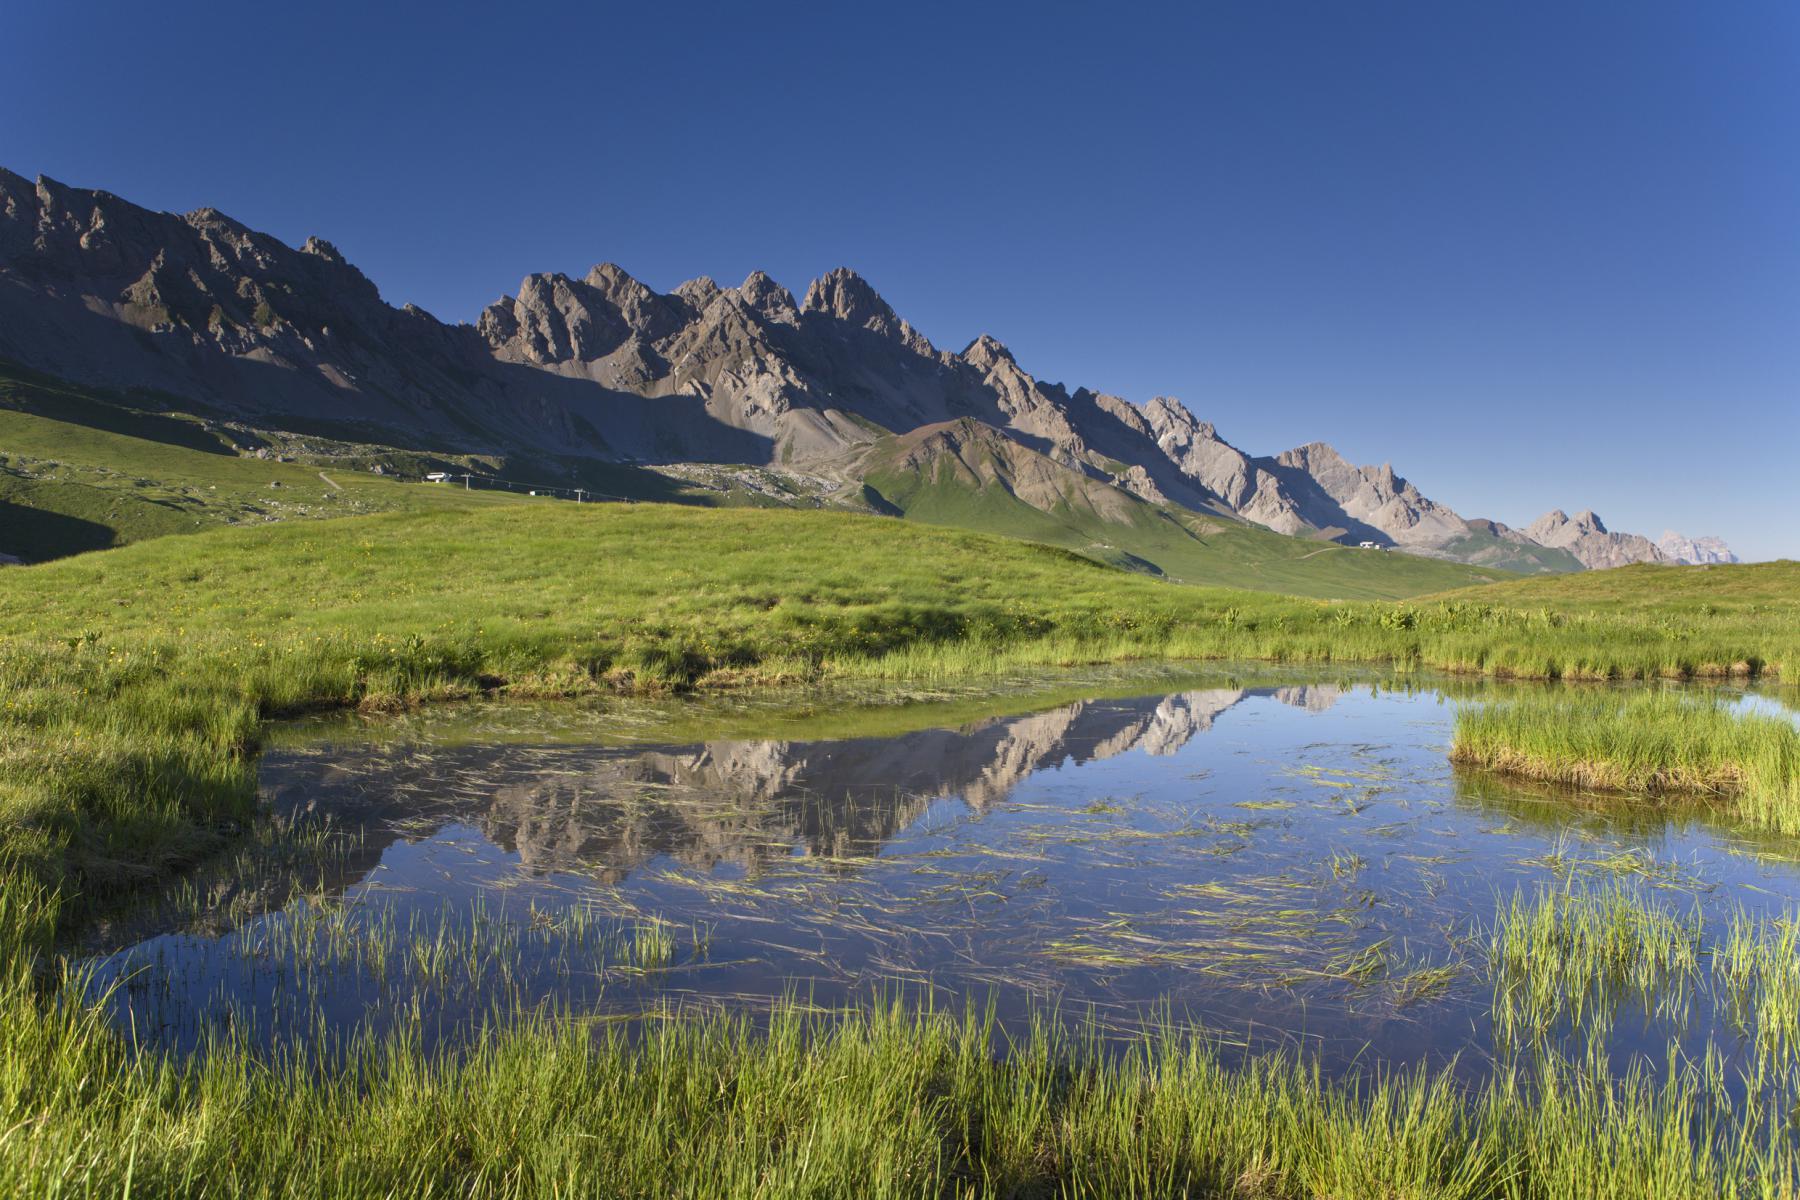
1536,254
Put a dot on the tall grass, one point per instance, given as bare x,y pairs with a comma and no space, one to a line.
885,1101
1651,742
1573,955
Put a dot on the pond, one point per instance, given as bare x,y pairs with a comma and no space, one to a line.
1287,859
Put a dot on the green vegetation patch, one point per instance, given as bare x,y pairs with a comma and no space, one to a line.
82,469
1651,742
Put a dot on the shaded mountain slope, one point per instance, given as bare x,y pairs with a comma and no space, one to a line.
968,474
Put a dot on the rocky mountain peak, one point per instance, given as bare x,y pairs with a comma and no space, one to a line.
211,220
1169,415
1696,550
988,352
617,285
698,292
646,313
768,298
318,247
846,296
1313,456
1586,537
1557,523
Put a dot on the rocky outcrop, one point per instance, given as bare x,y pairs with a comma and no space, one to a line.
1370,497
1586,537
98,290
1696,551
970,456
1314,491
1238,481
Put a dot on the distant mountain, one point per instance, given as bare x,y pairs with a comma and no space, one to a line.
1677,548
97,290
1586,537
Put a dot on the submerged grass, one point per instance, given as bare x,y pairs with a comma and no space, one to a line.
895,1098
1572,954
1659,743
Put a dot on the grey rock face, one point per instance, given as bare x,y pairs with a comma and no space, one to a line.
1586,536
1694,550
1376,497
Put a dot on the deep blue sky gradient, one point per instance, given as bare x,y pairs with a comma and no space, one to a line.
1536,254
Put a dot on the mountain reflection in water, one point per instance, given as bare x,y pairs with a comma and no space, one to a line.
609,810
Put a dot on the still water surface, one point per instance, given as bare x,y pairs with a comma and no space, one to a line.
1289,861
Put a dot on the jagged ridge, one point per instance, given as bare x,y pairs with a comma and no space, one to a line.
98,290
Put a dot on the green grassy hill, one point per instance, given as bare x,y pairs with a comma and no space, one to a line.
79,472
680,590
85,470
1767,594
1486,549
967,475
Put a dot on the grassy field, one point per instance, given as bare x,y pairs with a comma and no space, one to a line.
1654,742
78,475
83,470
1668,594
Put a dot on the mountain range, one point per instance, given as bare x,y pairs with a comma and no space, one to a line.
835,388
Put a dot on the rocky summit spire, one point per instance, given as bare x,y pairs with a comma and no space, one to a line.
846,296
698,292
770,299
987,352
320,248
